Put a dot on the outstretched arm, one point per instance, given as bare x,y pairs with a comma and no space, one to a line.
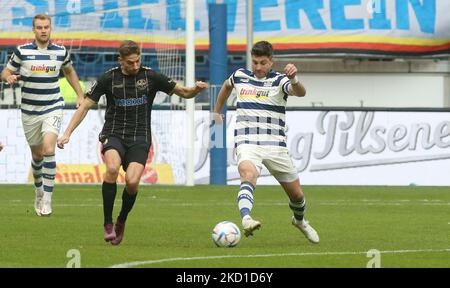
224,93
296,88
189,92
76,120
72,78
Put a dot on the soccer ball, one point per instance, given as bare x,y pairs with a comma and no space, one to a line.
226,234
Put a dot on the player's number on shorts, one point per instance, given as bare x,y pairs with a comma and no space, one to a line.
57,122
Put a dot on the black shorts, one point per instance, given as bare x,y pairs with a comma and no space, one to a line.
130,150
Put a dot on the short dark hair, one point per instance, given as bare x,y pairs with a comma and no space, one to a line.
42,16
128,48
262,48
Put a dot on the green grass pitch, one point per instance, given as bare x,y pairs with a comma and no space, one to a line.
170,226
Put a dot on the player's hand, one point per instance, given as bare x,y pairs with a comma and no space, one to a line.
79,101
290,70
1,146
200,85
61,141
217,118
11,79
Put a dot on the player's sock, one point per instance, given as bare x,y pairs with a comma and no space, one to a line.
109,191
245,198
298,208
127,204
36,168
48,173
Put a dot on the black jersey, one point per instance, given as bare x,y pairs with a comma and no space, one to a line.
129,101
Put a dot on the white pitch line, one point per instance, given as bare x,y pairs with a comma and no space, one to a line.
192,204
149,262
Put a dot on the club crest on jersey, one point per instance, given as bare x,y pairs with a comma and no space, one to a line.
141,84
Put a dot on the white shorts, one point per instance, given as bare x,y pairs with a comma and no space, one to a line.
35,126
276,160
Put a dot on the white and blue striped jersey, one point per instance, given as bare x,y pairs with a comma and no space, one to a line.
261,108
39,70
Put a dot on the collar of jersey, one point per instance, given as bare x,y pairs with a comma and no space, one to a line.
270,74
35,46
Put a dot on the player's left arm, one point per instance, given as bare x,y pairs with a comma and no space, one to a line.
189,92
295,88
72,78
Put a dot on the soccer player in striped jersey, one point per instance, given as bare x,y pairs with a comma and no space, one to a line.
260,133
38,65
126,135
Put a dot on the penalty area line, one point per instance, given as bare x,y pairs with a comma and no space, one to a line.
149,262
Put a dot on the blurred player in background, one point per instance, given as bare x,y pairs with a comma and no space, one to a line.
38,65
260,133
1,146
126,135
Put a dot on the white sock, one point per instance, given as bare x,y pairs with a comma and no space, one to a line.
36,168
48,175
245,198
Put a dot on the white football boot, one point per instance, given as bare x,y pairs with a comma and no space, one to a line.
306,229
46,209
250,225
38,201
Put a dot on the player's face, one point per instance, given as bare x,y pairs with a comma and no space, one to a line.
261,65
130,64
42,30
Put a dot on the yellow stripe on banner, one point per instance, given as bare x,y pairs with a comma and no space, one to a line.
237,41
334,39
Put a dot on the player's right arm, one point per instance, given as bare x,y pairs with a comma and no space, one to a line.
76,120
8,74
224,93
92,97
9,77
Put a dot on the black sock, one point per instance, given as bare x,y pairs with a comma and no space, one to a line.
109,191
127,204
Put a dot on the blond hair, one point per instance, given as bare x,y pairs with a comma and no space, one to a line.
42,17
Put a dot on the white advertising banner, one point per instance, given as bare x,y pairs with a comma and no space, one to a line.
81,159
328,148
361,27
357,148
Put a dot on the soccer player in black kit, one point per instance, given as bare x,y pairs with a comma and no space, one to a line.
130,90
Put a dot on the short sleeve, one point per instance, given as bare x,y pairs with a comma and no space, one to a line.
231,79
67,61
163,83
15,61
284,84
98,89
